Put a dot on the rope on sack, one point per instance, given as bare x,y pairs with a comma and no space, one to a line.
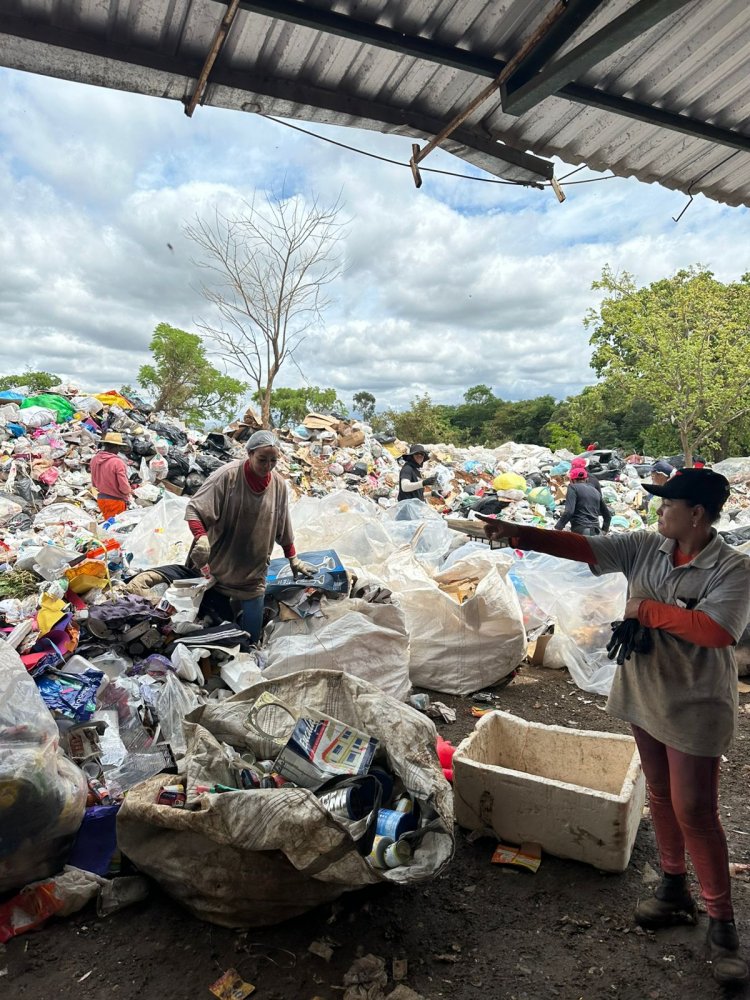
266,703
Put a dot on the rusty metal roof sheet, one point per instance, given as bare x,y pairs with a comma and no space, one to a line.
409,68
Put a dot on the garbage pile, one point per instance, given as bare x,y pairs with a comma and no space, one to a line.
136,717
90,769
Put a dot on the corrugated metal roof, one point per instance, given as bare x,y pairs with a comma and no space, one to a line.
694,63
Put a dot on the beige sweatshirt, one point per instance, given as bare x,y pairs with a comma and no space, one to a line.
242,528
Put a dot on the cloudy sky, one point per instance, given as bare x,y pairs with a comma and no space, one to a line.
458,283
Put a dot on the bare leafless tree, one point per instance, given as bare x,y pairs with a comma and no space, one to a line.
266,272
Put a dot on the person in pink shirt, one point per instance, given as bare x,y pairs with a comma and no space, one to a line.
109,476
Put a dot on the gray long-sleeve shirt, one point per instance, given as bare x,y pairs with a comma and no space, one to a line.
583,508
242,527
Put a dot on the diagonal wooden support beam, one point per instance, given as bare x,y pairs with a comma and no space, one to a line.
213,53
418,155
521,93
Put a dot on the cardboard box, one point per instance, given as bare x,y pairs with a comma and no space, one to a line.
537,650
579,794
321,748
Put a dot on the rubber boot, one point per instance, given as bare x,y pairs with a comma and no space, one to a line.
729,968
670,904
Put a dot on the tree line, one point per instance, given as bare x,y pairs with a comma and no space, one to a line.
671,357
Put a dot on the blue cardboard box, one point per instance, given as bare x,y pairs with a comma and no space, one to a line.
331,576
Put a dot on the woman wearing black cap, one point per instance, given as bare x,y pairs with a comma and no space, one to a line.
410,482
692,591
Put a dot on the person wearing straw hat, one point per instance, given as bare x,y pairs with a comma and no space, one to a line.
410,482
236,518
109,476
691,590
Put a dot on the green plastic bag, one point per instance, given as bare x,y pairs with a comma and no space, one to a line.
60,406
542,495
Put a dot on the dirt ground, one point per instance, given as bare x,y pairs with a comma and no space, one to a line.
478,931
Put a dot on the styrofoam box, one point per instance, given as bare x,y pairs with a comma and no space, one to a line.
579,794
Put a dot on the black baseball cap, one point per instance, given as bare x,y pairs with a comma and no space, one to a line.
697,486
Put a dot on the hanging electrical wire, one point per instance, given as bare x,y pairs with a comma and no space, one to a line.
539,185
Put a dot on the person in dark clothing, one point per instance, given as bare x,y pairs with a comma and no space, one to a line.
584,506
410,482
580,463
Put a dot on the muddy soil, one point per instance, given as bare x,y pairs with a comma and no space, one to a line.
478,931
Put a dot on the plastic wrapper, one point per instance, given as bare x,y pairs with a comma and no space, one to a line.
158,467
175,701
42,793
33,417
70,696
8,510
584,607
160,537
414,523
185,597
60,896
65,513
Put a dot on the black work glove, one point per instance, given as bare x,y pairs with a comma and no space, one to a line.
628,637
429,481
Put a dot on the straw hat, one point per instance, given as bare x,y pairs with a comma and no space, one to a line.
113,437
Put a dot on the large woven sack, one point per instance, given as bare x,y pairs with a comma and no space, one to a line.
367,640
252,858
458,648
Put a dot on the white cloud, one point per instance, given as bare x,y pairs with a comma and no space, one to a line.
458,283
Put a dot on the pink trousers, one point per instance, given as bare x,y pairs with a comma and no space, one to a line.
684,797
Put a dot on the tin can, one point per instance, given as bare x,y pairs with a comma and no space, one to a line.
100,792
249,778
393,824
172,795
354,801
397,854
380,845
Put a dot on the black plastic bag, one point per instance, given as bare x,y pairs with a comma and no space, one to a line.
178,464
193,482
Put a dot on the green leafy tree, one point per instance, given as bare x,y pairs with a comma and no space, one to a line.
290,406
681,345
35,382
556,436
182,382
473,418
364,404
523,420
423,422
